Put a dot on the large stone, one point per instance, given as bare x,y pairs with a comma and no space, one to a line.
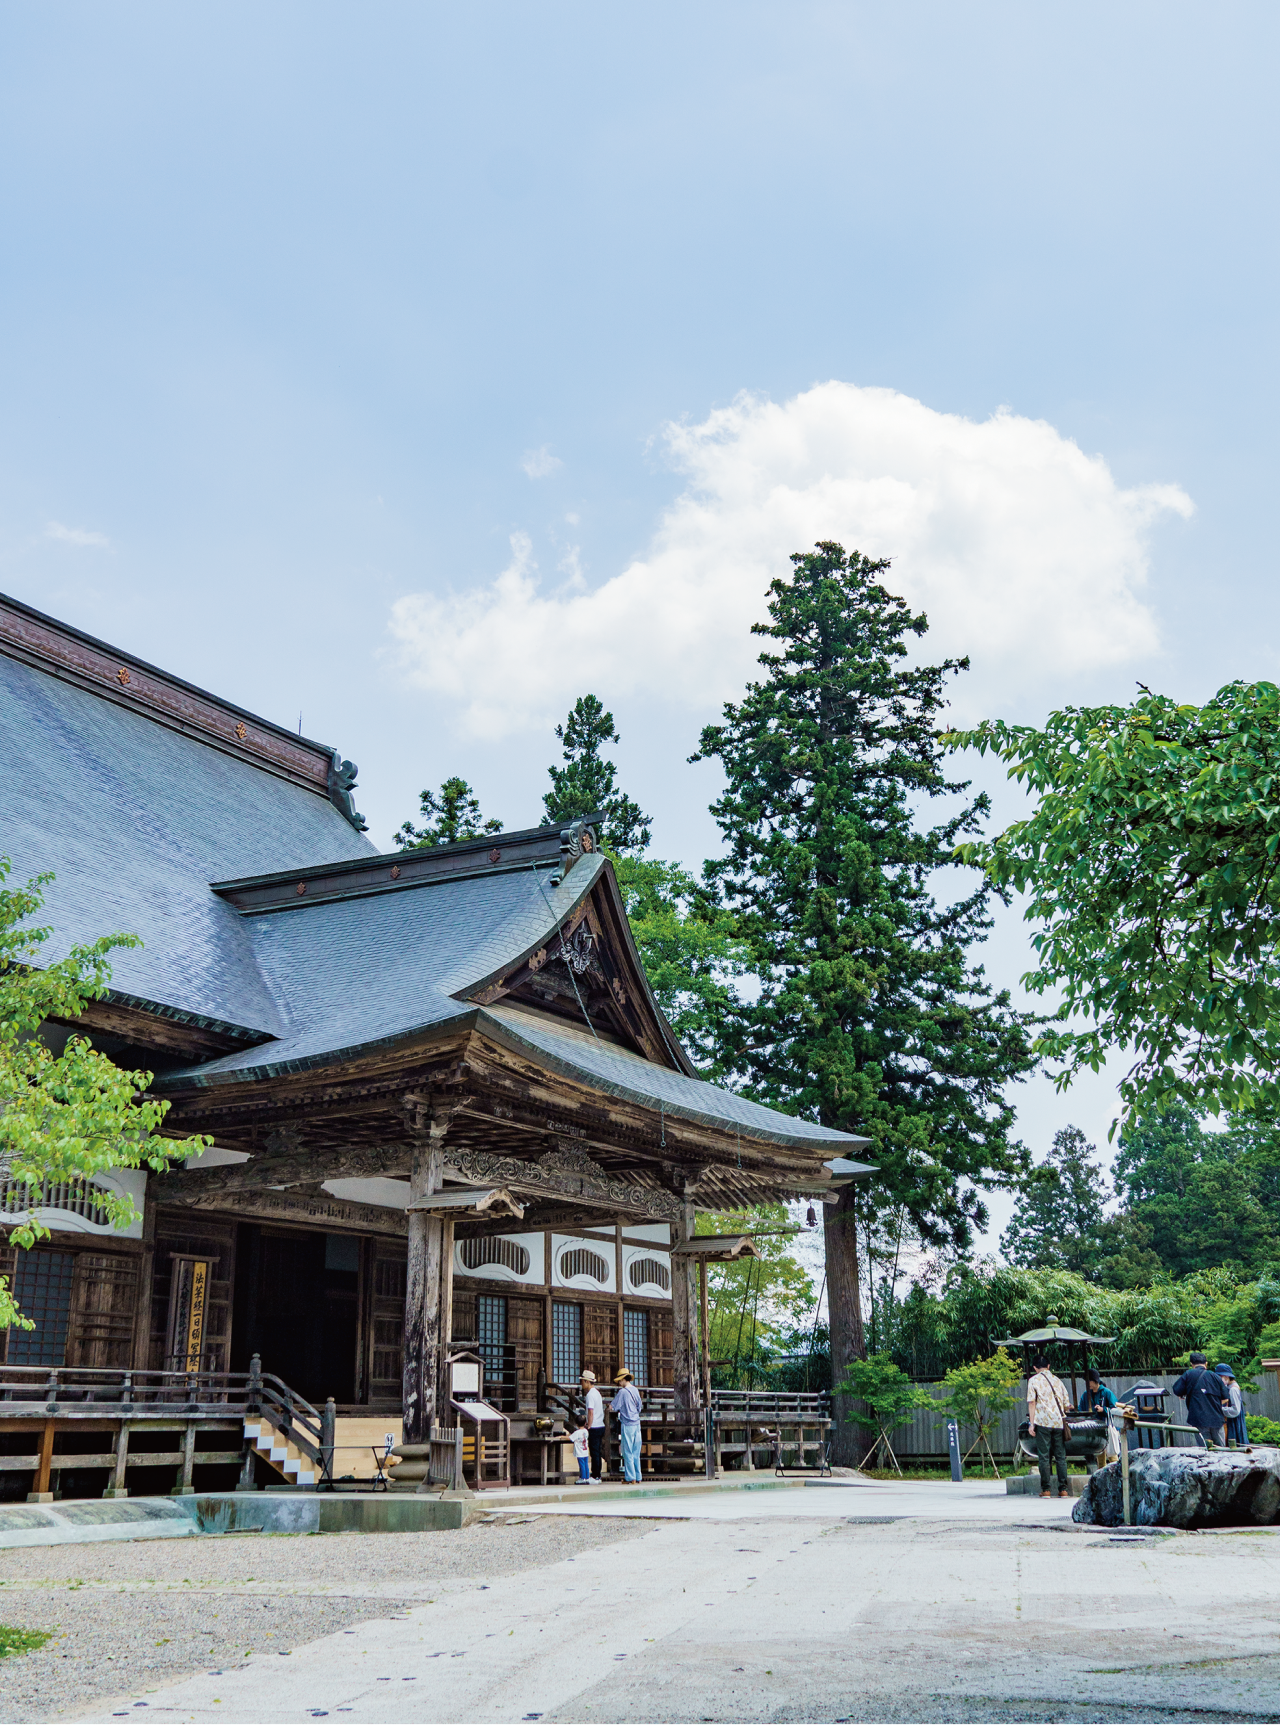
1186,1488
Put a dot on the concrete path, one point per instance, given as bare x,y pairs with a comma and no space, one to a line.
971,1500
957,1603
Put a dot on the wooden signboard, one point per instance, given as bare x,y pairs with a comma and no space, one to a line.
188,1311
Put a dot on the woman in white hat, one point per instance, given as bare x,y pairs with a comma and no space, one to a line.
626,1404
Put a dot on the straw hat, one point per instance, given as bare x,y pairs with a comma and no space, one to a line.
623,1376
586,1377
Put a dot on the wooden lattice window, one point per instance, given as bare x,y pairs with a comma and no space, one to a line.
74,1196
577,1260
649,1271
493,1249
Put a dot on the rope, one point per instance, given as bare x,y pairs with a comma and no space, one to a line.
573,979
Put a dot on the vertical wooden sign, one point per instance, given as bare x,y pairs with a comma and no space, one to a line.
188,1309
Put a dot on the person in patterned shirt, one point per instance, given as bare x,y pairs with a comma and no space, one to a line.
1047,1404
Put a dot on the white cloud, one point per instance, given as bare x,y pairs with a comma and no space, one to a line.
1023,551
538,464
76,537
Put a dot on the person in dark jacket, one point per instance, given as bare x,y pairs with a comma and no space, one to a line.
1204,1393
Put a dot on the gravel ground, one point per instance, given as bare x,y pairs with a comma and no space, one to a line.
130,1617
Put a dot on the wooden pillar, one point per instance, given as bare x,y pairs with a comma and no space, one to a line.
423,1331
684,1312
41,1487
443,1389
844,1308
116,1486
704,1328
140,1350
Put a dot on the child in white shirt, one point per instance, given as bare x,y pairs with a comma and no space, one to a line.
582,1450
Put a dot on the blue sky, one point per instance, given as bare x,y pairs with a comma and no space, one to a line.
319,319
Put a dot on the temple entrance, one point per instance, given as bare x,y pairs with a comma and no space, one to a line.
297,1304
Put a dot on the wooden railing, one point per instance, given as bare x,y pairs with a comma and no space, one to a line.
41,1393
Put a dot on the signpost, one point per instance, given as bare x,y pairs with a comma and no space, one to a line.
953,1444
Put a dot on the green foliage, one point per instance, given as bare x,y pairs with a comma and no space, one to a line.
758,1304
454,816
1263,1430
67,1117
1152,1329
870,1015
1204,1198
978,1393
687,946
587,782
15,1641
1150,867
1060,1212
884,1387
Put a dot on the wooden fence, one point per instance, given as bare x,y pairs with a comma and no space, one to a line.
924,1436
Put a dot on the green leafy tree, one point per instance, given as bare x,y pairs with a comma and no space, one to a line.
1059,1216
64,1116
755,1302
976,1395
588,782
1150,870
688,949
1193,1191
871,1017
452,815
889,1394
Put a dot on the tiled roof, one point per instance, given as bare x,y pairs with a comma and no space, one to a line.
366,972
135,819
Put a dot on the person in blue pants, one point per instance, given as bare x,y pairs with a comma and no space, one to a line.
626,1404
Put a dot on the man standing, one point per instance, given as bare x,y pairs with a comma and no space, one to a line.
1047,1404
1204,1393
626,1404
595,1423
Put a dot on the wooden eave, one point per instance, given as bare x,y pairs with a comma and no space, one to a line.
499,1100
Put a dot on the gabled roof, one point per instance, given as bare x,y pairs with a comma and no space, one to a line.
227,845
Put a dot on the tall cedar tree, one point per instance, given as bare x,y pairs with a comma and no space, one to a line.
1059,1215
871,1017
587,782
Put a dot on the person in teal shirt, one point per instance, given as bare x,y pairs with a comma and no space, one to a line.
1101,1399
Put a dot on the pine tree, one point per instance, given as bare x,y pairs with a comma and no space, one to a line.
456,814
1059,1217
586,782
871,1017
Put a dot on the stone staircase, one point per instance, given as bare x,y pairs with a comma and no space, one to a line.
273,1446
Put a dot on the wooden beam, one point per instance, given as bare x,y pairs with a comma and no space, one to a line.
323,1212
490,1204
187,1185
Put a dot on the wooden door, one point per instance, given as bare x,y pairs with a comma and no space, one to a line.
385,1356
463,1323
104,1299
661,1349
600,1340
524,1333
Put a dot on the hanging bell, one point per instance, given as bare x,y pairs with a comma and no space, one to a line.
811,1219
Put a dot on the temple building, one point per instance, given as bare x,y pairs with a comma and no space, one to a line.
447,1111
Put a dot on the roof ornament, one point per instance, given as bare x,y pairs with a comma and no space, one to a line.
576,839
342,779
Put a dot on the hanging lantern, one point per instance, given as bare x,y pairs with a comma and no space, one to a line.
811,1219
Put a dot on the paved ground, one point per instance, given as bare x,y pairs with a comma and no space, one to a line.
916,1603
133,1616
